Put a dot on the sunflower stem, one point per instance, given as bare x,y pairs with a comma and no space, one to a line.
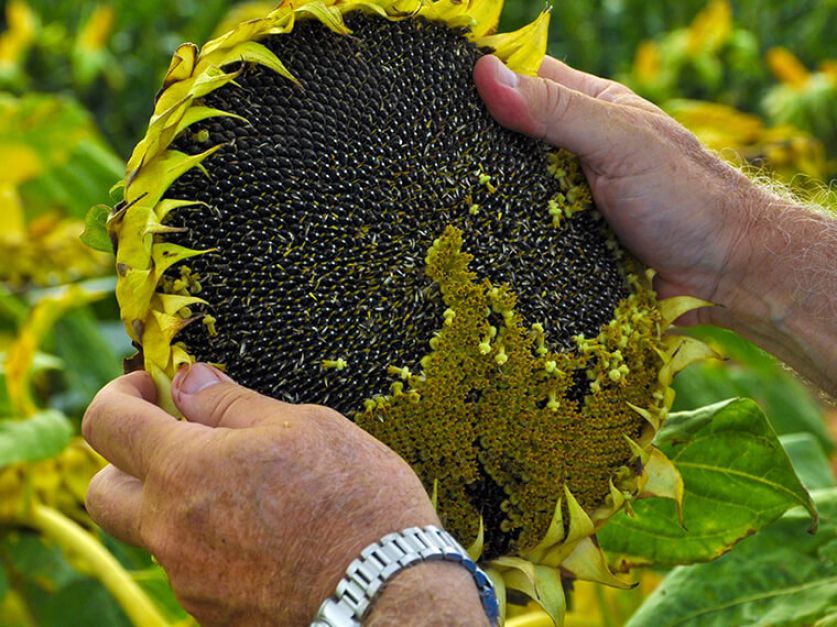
71,537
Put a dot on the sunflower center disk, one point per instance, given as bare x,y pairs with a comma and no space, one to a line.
385,248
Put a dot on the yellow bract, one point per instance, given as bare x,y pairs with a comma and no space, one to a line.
156,307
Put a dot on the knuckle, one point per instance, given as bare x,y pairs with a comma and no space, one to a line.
229,401
556,101
92,499
320,413
93,414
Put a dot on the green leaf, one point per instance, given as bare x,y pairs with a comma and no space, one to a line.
4,584
11,307
81,602
71,166
95,233
750,373
782,576
809,460
155,583
737,480
42,436
56,592
89,358
27,554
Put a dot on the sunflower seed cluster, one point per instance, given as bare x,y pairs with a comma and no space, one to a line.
326,196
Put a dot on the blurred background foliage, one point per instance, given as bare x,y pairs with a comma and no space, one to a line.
756,80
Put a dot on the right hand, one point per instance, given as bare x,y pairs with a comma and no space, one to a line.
670,202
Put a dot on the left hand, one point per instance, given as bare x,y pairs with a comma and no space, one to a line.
254,507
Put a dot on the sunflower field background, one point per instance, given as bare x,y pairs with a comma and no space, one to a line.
756,80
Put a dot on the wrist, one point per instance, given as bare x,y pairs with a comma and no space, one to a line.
429,594
777,288
422,597
372,505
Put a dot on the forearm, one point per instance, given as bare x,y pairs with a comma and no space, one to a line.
780,287
429,594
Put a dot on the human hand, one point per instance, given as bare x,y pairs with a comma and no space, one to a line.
255,507
708,231
670,202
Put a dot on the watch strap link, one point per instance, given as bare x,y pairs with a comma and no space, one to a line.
383,559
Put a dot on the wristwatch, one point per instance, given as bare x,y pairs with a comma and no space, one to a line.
383,559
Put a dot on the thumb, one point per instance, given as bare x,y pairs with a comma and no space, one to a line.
207,396
548,110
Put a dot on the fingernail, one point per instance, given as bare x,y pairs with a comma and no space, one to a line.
506,76
197,378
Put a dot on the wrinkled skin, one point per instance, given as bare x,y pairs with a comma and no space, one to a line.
256,507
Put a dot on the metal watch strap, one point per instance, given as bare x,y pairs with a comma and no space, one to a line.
380,561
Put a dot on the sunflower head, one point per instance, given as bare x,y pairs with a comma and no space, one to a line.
323,206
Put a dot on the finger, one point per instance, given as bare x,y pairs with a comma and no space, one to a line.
548,110
125,426
209,397
114,502
592,85
554,70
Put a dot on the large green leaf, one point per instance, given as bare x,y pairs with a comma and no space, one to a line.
84,601
90,359
69,166
737,479
56,592
26,553
750,373
781,576
809,460
42,436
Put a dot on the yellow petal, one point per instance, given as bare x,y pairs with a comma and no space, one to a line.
524,49
554,534
550,592
164,328
182,64
166,255
683,351
638,452
588,562
170,304
330,17
134,291
475,550
616,496
197,114
162,382
252,52
131,230
672,308
164,207
651,417
664,480
486,15
156,176
580,524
